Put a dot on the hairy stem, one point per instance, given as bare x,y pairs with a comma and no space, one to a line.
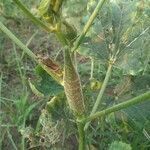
31,16
88,24
128,103
100,95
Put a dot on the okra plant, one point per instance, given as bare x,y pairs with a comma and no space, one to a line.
114,33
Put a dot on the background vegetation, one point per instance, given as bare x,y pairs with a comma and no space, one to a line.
24,121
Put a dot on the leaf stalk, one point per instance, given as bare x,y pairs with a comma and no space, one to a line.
32,17
88,24
101,92
128,103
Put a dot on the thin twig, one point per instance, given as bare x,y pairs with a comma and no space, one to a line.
92,68
101,92
88,24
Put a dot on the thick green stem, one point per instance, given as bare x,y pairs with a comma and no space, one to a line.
31,16
99,98
81,133
61,38
128,103
17,41
100,95
88,24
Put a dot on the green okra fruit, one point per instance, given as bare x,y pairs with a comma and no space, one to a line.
72,85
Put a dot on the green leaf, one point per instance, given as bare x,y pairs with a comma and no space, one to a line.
116,15
94,50
44,7
141,83
119,145
133,58
34,90
137,116
73,11
56,107
46,85
104,31
73,8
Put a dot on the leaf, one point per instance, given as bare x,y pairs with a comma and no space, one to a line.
124,86
34,90
94,50
119,145
73,11
46,85
77,8
133,58
140,114
56,106
103,32
52,68
48,9
137,116
144,79
55,121
116,15
50,63
44,7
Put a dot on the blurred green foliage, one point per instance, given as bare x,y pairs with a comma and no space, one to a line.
122,26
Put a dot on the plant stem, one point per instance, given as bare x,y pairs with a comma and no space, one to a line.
99,98
81,136
28,43
92,68
30,53
88,24
100,95
31,16
133,101
17,41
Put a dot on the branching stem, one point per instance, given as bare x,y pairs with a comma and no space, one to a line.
128,103
31,16
100,95
88,24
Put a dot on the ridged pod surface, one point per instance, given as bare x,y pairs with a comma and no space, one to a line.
72,85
